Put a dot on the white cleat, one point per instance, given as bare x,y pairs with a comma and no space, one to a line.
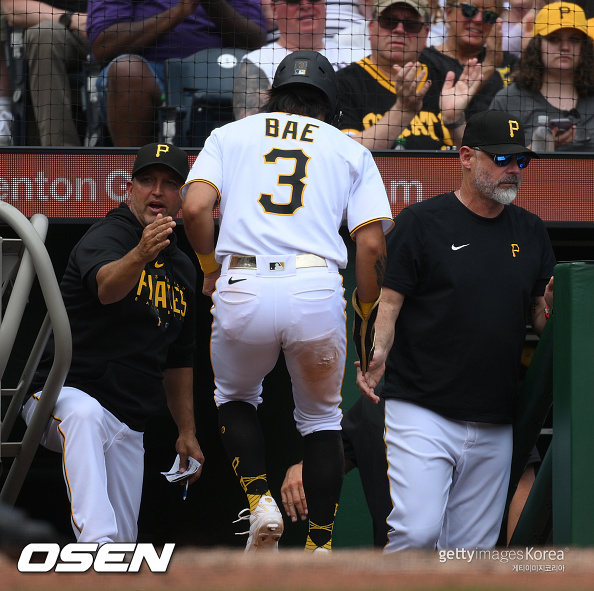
266,526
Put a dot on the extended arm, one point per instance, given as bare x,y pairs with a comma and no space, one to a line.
197,209
385,324
116,279
370,261
180,400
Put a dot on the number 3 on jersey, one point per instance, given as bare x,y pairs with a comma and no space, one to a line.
295,181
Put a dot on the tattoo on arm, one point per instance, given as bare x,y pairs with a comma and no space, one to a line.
249,90
380,269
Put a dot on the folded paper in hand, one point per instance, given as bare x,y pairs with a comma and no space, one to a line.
174,475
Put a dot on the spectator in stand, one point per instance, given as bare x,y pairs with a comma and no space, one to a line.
302,25
341,14
5,93
473,33
133,39
437,32
55,44
357,34
391,95
512,29
555,78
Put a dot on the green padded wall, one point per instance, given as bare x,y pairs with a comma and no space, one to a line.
573,405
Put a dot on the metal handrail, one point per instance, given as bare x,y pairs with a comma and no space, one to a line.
36,257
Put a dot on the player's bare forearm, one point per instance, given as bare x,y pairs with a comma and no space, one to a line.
178,384
370,261
385,324
197,209
116,279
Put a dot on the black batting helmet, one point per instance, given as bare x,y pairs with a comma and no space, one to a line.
312,68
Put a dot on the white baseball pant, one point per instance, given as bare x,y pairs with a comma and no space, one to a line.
103,465
277,305
448,479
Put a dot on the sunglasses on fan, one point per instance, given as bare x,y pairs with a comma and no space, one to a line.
470,11
389,23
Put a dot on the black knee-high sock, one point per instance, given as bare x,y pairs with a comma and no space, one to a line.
243,440
323,473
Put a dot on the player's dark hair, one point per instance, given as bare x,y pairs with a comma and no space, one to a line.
298,99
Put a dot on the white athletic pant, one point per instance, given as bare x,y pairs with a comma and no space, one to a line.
103,465
448,479
259,311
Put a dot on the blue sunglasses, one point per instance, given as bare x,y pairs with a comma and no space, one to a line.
504,160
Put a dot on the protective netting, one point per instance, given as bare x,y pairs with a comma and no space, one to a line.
127,72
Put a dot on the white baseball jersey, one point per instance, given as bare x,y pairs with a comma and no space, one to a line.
309,178
268,58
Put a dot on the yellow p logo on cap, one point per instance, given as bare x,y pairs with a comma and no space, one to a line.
162,148
563,10
513,126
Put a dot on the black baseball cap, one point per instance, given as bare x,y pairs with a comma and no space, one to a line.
164,154
496,132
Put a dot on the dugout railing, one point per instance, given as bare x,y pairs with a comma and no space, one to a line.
75,187
25,257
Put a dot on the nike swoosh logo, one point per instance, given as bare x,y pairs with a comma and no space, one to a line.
158,265
459,247
232,281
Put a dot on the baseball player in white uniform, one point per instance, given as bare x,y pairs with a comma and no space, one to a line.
285,180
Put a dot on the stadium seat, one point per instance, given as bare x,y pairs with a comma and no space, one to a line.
199,95
24,128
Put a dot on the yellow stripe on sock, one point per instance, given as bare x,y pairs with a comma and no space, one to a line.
255,499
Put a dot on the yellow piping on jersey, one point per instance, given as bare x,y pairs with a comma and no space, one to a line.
354,230
59,421
202,181
382,79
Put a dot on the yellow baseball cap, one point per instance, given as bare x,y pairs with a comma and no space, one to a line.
560,15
